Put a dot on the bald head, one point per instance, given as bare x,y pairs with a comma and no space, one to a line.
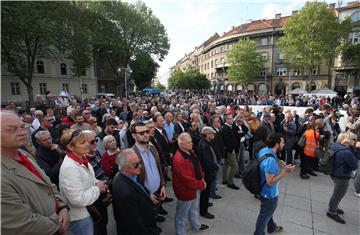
28,119
12,133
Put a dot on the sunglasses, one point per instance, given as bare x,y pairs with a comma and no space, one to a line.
74,134
143,132
93,141
136,165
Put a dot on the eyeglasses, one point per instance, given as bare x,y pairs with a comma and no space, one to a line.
143,132
136,165
74,134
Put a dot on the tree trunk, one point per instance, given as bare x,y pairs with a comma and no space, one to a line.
30,92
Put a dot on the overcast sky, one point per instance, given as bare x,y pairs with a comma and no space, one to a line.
191,22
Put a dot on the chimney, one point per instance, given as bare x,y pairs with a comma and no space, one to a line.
277,16
294,12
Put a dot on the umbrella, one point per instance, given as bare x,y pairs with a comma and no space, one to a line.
297,91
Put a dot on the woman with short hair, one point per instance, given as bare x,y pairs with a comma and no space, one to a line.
77,182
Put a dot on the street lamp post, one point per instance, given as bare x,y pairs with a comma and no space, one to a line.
126,70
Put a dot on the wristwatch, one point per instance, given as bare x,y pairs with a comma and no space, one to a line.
61,208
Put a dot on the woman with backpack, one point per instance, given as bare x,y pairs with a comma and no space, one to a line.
308,159
344,163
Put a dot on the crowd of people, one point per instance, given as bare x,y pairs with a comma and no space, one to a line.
66,160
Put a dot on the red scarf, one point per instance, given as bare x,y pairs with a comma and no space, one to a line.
82,161
28,165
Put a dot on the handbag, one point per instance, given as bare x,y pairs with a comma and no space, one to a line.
94,213
302,141
319,152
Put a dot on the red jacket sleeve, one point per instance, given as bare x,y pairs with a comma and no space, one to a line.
106,164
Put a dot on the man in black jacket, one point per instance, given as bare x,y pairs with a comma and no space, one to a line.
210,167
218,145
230,143
133,208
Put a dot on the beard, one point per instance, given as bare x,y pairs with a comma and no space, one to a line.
143,142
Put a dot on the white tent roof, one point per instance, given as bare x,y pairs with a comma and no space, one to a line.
297,91
324,92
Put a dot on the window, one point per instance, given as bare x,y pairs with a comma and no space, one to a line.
264,42
205,66
262,73
208,65
222,60
297,72
216,61
230,46
82,72
102,88
65,87
212,64
264,56
281,71
221,49
42,88
40,66
281,56
15,88
355,17
315,71
84,89
63,70
354,37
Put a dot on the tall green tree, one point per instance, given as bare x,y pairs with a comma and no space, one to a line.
191,78
30,30
144,70
245,62
314,36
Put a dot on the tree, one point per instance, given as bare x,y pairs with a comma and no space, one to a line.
313,35
160,86
144,70
191,78
245,62
351,56
31,30
129,29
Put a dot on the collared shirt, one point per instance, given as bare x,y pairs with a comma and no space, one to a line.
170,130
135,180
152,176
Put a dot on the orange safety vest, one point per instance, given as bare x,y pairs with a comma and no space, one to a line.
311,143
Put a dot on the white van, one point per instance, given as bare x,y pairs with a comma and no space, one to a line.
105,95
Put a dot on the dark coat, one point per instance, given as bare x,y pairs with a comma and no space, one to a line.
218,145
50,161
164,146
239,135
229,139
207,162
289,135
344,161
133,209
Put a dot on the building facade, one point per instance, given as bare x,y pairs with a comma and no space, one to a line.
347,76
49,75
276,78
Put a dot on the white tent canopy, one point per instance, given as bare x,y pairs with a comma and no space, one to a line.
297,91
322,92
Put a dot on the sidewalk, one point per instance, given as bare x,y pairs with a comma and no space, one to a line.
301,210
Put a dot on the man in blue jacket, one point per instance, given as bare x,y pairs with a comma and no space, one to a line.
270,175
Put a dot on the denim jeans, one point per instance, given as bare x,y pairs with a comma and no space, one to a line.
187,210
82,227
265,217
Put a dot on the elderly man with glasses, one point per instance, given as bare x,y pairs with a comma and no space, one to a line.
132,205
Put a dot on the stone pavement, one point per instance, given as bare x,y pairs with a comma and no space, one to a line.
301,209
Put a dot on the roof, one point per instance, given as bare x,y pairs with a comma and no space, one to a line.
258,25
210,40
351,5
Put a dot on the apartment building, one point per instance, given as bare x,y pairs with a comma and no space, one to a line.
49,75
347,76
276,78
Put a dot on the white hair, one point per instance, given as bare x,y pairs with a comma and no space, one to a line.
41,134
122,158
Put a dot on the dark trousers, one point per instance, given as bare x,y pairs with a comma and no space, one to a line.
204,198
265,218
100,228
307,164
340,188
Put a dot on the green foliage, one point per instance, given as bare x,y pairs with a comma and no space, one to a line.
159,85
311,36
191,78
245,62
144,70
351,54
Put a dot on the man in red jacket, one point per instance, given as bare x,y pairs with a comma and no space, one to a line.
188,181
